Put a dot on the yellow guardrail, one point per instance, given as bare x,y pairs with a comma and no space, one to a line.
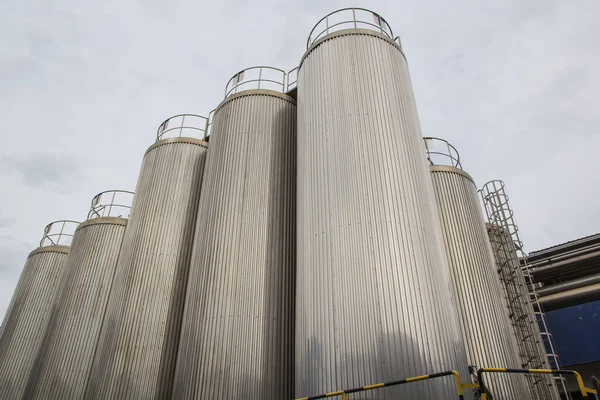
480,386
584,391
459,386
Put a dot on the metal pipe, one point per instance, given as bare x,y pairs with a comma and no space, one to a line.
572,257
565,249
573,284
552,265
571,297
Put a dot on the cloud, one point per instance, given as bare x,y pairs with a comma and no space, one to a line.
512,84
43,169
7,222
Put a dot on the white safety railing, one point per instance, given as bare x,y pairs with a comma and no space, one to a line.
259,77
440,152
349,18
111,203
59,233
183,125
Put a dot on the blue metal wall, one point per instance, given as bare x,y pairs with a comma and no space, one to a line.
576,332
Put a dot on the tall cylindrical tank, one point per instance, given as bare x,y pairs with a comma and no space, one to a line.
63,363
139,339
486,326
29,310
374,292
237,333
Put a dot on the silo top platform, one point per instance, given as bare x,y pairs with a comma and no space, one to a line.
443,157
441,152
183,125
349,18
256,78
59,233
111,203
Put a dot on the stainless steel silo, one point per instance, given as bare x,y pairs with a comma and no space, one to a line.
29,310
237,333
63,364
485,322
138,343
374,291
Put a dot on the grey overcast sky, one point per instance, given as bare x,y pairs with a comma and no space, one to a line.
512,84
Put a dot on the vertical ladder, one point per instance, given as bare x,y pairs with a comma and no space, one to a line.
536,347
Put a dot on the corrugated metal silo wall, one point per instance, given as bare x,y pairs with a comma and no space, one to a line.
487,329
63,363
237,334
27,317
138,344
374,292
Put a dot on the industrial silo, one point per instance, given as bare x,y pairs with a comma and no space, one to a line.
237,333
536,347
486,326
139,339
63,364
29,310
374,291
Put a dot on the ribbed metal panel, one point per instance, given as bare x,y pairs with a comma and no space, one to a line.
237,336
374,292
27,317
63,364
487,330
138,345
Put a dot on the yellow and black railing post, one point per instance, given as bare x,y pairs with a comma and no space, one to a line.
584,391
344,393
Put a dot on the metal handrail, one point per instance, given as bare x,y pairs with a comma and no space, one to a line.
583,390
398,42
59,233
379,25
183,125
211,116
459,386
291,84
106,204
237,81
447,154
